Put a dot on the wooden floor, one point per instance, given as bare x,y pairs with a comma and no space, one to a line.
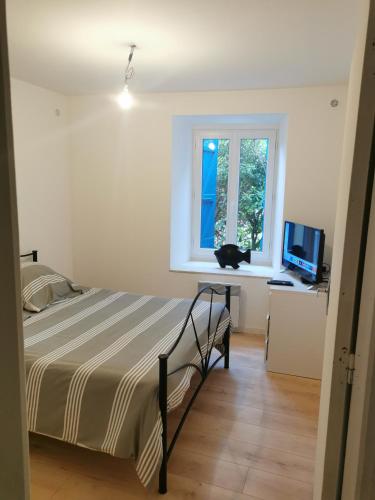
250,435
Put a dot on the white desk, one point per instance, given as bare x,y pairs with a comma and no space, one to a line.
295,329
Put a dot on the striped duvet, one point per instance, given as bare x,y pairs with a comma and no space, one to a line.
92,370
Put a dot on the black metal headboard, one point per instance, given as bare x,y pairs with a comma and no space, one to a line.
33,254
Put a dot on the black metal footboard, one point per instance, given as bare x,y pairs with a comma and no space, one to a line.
203,368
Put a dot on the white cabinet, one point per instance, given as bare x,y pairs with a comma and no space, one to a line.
295,329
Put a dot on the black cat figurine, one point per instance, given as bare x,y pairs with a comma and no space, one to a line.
231,255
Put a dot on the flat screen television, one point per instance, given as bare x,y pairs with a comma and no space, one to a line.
303,250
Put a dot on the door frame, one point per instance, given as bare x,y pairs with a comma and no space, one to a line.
14,470
359,469
350,278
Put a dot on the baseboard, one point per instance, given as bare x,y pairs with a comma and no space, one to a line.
253,331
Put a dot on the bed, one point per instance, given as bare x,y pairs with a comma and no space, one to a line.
104,369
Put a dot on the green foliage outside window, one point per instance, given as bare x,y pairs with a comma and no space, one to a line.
251,199
221,192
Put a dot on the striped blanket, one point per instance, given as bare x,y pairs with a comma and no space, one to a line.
92,370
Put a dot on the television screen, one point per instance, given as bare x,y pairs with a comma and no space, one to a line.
303,250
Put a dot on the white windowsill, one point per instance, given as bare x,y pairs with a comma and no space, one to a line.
248,270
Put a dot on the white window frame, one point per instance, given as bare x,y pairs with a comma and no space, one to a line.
234,135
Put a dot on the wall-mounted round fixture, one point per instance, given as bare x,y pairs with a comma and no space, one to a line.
334,103
125,99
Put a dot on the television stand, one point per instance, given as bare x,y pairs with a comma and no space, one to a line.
296,277
305,281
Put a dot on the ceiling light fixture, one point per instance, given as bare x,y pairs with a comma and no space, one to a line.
125,99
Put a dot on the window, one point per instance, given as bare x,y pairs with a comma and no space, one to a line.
233,191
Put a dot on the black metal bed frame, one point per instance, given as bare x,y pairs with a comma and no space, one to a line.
33,254
204,368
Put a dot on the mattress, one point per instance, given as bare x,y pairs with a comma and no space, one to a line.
92,371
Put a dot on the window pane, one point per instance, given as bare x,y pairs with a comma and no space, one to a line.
215,162
252,190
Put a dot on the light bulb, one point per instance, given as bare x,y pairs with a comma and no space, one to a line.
125,99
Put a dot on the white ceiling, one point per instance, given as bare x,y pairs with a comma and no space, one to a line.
80,46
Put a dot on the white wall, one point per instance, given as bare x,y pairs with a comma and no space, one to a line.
41,143
122,174
340,227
